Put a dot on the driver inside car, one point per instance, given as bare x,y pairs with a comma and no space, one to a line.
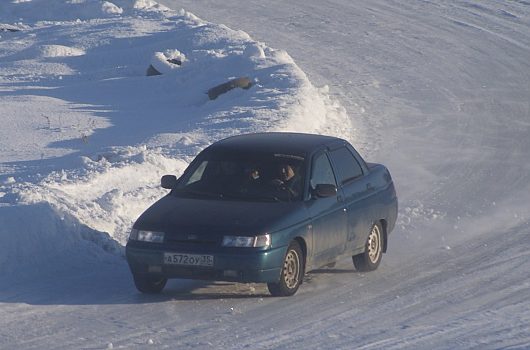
288,180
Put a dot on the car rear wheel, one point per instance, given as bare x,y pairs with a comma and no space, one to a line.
371,258
149,284
292,273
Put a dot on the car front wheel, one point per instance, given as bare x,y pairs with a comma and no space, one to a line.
292,273
149,284
371,258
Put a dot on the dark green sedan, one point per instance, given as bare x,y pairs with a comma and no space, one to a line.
265,208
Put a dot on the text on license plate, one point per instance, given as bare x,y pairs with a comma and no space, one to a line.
188,259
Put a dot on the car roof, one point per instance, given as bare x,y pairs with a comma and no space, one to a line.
278,142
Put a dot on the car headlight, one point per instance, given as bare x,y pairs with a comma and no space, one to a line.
262,241
146,236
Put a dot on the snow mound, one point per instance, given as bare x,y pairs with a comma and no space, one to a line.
111,9
98,154
59,51
35,233
254,50
165,62
109,192
62,10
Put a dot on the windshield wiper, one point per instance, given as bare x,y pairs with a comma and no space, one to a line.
197,193
250,197
227,196
269,198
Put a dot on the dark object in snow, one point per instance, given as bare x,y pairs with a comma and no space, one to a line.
243,83
175,61
152,71
8,28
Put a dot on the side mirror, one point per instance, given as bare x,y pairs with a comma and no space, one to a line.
325,190
168,181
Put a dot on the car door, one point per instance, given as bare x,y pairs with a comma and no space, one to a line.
356,189
329,219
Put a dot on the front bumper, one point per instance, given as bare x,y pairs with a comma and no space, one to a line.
230,264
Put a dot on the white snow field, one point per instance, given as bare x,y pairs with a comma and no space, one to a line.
437,91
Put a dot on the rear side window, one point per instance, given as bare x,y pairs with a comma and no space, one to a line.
346,165
321,173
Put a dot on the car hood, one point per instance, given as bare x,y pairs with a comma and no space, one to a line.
173,214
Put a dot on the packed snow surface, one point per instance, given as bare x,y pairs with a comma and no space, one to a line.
437,91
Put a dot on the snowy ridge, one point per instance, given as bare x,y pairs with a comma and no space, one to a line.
105,132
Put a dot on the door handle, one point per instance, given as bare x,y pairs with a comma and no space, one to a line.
339,198
369,187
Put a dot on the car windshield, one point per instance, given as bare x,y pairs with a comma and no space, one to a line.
260,177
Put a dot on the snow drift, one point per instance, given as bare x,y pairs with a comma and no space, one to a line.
73,81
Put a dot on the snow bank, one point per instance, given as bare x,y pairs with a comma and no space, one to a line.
108,193
34,234
62,10
59,51
120,130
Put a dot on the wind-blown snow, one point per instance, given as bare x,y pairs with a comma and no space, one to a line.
438,91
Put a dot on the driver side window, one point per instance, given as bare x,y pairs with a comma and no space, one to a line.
321,173
198,173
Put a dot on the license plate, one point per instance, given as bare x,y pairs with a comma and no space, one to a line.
188,259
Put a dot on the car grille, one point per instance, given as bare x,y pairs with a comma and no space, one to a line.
191,240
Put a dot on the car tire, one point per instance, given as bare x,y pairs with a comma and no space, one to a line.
292,272
149,284
373,252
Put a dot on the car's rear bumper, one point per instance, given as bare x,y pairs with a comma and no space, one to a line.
230,264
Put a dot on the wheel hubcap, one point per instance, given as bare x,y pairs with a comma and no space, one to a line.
291,269
374,244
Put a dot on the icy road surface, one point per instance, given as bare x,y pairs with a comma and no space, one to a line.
438,91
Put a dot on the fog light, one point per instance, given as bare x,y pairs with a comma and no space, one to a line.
154,268
230,273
